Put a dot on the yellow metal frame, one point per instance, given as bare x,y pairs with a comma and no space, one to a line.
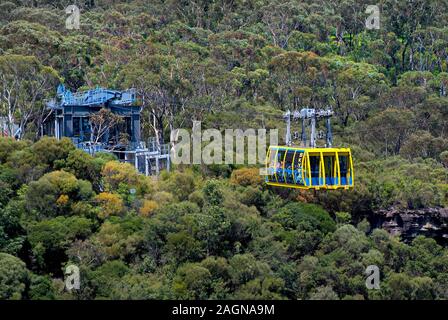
276,160
308,167
322,171
352,169
292,167
336,152
303,170
283,166
267,162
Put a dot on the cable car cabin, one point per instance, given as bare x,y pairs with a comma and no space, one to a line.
309,168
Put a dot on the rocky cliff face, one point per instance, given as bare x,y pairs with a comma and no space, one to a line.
431,222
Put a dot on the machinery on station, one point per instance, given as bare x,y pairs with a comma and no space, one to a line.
309,167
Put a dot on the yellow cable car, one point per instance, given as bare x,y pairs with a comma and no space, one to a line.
309,168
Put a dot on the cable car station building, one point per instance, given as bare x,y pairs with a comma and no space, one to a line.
70,117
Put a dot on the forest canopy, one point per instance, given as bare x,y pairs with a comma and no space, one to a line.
217,232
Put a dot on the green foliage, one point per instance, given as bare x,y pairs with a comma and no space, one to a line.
324,293
118,237
13,277
244,268
85,167
216,232
104,277
398,182
12,235
305,217
49,149
41,288
212,193
343,217
228,240
53,194
50,238
30,162
122,177
192,282
139,287
182,247
9,145
180,184
267,288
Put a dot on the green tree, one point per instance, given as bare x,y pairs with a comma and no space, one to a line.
324,293
51,238
52,194
23,83
192,282
244,268
85,167
41,288
305,217
13,277
183,247
104,278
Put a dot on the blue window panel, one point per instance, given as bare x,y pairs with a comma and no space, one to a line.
315,167
307,180
298,176
298,167
272,166
280,177
288,166
343,164
279,165
329,180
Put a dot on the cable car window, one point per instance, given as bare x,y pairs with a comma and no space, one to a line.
272,165
298,158
350,170
288,166
315,167
280,164
343,165
329,162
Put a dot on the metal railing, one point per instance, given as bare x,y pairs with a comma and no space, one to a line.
92,148
89,147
